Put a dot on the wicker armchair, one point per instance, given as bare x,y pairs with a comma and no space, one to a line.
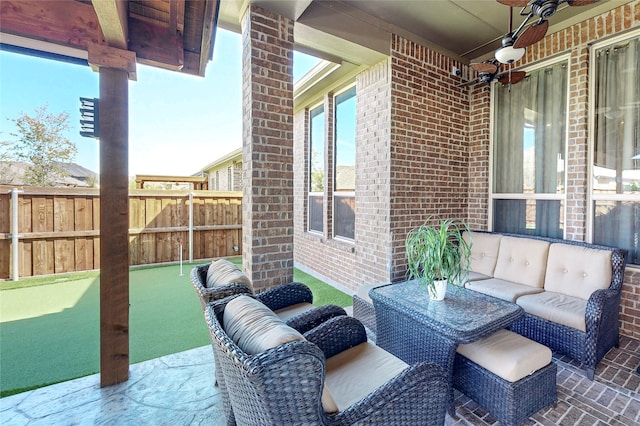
283,385
293,302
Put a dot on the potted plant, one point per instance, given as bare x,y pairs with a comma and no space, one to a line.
438,254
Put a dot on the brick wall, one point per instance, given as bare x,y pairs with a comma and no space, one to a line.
267,208
575,42
367,260
429,149
411,155
373,171
479,113
423,149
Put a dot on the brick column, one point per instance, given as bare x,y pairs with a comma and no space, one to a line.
267,157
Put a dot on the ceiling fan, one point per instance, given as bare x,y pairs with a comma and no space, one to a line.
490,70
515,42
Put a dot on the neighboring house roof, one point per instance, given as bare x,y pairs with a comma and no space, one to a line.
345,178
235,155
79,176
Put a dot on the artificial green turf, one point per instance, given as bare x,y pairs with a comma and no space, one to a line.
49,329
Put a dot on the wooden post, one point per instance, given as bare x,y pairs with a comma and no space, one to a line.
116,67
114,228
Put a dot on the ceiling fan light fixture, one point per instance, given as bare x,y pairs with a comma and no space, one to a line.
508,54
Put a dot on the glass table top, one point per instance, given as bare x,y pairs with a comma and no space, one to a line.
462,315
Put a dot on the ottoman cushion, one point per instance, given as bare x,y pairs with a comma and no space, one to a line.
507,354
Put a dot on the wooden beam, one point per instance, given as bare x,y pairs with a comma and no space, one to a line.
210,21
68,23
109,57
155,46
114,229
113,17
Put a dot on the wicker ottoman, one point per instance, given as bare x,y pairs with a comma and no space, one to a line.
363,307
509,375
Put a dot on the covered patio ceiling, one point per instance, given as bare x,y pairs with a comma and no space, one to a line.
179,34
358,31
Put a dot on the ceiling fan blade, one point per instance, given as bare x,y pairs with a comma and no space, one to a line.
514,3
512,77
579,2
484,67
531,35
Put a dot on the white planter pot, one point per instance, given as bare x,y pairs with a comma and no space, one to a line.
438,290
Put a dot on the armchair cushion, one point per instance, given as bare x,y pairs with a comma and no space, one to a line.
223,272
254,327
556,307
285,314
577,271
356,372
522,261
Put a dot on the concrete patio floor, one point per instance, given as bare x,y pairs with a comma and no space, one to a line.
178,389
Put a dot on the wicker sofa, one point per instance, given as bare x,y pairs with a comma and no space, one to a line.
330,376
570,290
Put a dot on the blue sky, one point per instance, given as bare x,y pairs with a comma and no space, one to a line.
177,123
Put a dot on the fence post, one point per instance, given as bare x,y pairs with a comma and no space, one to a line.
190,227
14,233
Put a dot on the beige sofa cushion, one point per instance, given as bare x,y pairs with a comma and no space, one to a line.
507,354
522,261
223,272
476,276
484,252
285,314
505,290
358,371
254,327
556,307
577,271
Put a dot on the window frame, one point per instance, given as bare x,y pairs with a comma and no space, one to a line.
351,194
493,196
591,140
310,193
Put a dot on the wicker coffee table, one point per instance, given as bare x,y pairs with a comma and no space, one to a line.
415,329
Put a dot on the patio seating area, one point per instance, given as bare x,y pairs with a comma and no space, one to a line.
179,389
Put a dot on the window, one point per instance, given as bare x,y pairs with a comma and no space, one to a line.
229,178
316,169
345,164
528,157
615,166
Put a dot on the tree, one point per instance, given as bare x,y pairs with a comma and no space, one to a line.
6,175
42,143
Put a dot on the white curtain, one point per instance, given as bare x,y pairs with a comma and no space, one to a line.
617,146
528,151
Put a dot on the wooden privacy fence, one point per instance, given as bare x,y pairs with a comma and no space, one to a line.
59,228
